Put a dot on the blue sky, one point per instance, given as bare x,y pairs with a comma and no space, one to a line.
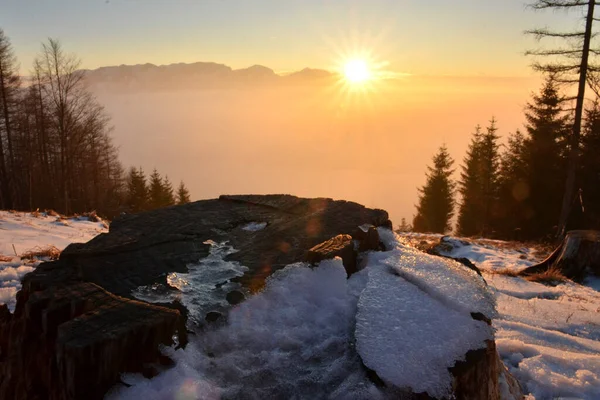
442,37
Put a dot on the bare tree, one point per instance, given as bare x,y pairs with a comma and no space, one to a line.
570,65
9,89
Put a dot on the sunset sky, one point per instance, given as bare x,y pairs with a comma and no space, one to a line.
465,59
436,37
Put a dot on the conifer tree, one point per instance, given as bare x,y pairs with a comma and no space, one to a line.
156,190
168,199
513,190
478,185
404,226
183,195
137,190
469,187
545,148
436,199
590,171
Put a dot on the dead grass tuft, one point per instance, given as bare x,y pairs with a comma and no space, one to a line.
4,258
506,272
53,213
50,252
551,276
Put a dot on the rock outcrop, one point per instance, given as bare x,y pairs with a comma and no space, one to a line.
76,326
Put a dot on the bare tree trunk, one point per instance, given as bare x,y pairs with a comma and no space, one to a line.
576,257
575,137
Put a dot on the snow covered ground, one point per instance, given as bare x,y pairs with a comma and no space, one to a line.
23,233
548,336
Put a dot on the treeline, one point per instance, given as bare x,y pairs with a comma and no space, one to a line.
515,190
56,151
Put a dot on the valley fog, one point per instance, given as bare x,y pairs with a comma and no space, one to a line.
319,139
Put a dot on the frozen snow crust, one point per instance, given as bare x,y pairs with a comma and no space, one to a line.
308,333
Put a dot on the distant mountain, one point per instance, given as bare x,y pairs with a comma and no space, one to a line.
199,75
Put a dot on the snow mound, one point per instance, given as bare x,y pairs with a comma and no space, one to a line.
408,336
293,340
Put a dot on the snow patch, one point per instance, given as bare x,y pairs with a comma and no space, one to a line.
21,232
295,337
254,226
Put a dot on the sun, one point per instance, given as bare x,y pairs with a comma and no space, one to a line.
357,71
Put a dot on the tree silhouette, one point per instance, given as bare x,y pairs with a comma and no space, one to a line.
573,67
436,199
183,195
545,147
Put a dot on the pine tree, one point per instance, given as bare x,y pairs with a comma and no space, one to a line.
167,195
137,190
478,185
590,171
545,149
469,187
513,190
183,195
156,192
404,226
436,199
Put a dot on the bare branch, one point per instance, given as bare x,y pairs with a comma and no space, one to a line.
545,32
544,4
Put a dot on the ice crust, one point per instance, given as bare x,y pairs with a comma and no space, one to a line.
410,337
203,288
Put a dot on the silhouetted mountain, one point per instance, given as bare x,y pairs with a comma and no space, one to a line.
200,75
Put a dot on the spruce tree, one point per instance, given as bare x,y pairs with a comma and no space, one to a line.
590,172
478,185
168,199
545,149
156,192
183,195
436,199
513,189
137,190
469,187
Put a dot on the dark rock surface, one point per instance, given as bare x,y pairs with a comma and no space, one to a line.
73,340
76,326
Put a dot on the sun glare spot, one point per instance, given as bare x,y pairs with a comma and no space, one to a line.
357,71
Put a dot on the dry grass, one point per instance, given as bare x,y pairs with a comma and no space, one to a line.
4,258
505,272
50,252
551,276
53,213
